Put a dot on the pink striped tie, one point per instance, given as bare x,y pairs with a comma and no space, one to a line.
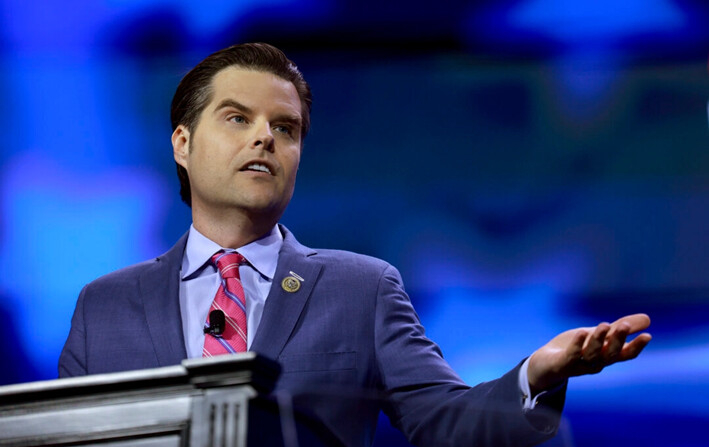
231,300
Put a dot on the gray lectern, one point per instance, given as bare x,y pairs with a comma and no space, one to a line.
200,403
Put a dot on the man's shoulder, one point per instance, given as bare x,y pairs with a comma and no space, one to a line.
152,269
336,260
125,275
349,257
354,265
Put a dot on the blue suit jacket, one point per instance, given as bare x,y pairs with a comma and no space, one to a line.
348,340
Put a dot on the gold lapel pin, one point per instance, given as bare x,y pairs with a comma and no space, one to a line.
291,283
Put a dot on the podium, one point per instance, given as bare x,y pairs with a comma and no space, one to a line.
199,403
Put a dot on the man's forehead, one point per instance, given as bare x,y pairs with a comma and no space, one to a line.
242,84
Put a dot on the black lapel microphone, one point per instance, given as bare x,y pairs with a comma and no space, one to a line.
216,323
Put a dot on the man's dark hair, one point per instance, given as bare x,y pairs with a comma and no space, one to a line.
195,90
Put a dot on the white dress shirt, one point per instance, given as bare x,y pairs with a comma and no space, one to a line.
200,281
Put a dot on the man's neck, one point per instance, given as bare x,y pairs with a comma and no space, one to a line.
232,231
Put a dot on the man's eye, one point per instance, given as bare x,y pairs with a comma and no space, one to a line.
237,119
282,129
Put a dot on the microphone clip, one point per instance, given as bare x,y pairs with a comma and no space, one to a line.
216,323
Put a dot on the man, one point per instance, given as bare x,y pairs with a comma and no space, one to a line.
330,318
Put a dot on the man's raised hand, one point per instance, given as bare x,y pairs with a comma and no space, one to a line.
586,351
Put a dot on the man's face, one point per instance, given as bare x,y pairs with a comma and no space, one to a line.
244,152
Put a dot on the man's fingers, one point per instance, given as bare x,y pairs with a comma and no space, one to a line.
615,340
633,348
636,322
592,349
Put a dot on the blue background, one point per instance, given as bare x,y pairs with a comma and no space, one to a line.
529,166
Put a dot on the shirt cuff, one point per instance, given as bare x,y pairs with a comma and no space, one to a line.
529,402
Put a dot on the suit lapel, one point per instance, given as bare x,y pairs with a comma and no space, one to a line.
283,308
160,292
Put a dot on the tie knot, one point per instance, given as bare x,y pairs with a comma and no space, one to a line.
228,264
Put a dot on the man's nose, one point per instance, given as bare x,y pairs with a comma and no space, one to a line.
263,137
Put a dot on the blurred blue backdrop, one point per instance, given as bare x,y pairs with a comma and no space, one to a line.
544,162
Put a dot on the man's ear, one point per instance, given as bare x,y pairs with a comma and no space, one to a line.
181,145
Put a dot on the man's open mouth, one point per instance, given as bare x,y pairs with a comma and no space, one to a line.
257,167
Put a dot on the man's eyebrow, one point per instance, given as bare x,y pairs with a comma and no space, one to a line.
234,104
294,120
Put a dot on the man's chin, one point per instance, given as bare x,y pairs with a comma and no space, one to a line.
264,210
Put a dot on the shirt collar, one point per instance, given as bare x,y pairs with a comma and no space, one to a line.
262,253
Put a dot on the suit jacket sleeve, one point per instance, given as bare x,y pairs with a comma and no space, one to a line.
72,361
427,400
